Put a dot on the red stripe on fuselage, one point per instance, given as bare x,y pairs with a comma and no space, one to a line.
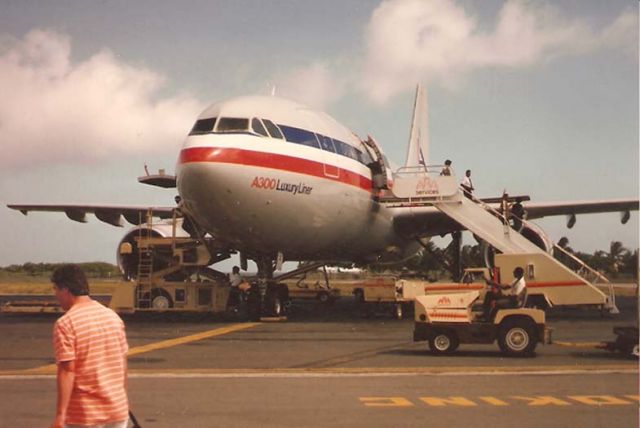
271,161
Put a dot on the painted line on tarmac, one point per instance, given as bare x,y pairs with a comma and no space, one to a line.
355,372
191,338
51,368
578,344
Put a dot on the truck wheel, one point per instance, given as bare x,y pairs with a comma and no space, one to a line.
516,337
323,297
160,299
443,342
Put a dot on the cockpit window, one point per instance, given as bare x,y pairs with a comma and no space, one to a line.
347,150
257,127
299,136
273,129
203,126
326,143
232,124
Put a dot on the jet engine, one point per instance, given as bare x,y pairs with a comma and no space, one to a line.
129,256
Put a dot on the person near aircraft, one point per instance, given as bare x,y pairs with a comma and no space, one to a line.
518,214
467,185
446,170
90,348
235,279
502,296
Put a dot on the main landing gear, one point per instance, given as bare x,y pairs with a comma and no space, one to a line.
267,297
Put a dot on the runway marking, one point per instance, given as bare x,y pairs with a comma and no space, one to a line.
191,338
294,373
441,401
599,400
543,400
458,401
578,344
51,368
349,371
386,402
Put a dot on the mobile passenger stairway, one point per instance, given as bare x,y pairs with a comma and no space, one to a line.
546,276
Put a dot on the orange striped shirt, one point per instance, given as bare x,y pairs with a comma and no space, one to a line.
93,337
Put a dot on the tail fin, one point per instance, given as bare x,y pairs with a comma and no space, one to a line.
418,149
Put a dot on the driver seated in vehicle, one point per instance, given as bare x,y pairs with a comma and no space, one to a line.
502,296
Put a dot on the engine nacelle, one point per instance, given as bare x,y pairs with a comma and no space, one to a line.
128,254
530,231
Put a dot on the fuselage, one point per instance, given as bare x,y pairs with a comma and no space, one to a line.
265,175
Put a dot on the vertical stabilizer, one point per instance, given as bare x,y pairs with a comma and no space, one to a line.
418,149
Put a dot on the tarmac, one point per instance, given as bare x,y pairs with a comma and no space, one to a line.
329,366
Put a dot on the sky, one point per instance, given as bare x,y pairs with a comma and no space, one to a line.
538,98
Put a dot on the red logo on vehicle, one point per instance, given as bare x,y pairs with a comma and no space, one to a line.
444,301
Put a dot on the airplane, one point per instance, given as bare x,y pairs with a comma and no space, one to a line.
275,180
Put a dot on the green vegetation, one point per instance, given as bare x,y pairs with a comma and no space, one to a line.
437,263
38,272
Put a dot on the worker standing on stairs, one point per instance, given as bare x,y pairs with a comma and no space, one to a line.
467,185
446,170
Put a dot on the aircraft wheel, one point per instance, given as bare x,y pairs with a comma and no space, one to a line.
397,311
517,337
276,295
254,303
276,307
443,342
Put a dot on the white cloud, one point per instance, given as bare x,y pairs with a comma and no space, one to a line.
315,85
55,111
438,41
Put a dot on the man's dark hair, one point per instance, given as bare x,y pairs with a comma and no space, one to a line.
518,272
447,162
72,278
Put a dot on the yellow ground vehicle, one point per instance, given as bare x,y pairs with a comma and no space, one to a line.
446,320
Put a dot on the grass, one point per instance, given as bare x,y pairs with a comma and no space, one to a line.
43,286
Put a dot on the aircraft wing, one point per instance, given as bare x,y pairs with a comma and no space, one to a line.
538,210
428,221
111,214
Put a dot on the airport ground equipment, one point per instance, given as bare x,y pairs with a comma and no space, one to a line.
388,294
447,320
550,282
171,274
310,289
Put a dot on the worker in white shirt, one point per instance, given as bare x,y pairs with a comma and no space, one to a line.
509,296
467,185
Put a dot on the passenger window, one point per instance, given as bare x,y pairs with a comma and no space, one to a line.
232,124
299,136
257,127
326,143
273,129
203,126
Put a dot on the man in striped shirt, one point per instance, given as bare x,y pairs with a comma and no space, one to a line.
91,354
